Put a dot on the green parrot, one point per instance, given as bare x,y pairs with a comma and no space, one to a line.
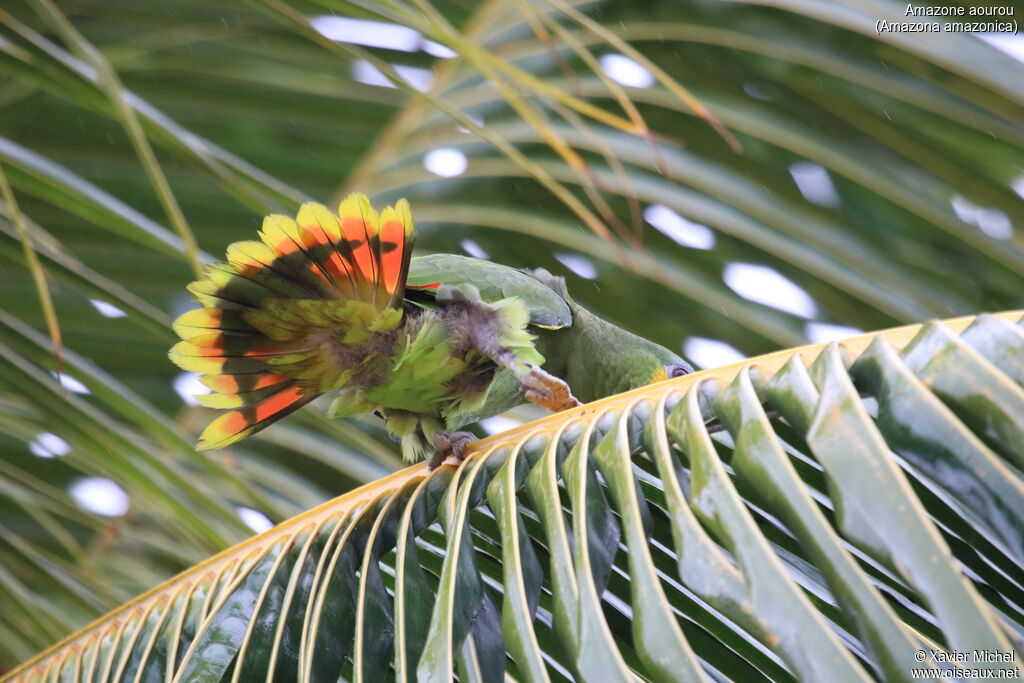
335,304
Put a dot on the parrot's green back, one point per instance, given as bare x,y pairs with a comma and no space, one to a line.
334,304
595,357
548,309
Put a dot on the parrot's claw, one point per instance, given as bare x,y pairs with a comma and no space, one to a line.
547,391
449,444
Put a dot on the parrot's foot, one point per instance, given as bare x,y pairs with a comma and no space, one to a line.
449,444
547,391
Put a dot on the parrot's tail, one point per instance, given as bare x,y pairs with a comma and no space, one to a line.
275,315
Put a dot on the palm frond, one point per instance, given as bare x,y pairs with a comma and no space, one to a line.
825,512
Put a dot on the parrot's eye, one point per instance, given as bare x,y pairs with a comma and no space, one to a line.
678,370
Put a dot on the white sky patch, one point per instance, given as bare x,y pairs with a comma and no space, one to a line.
474,249
995,224
107,310
1006,43
769,287
48,445
381,34
814,183
1018,186
188,386
478,120
819,333
367,73
964,209
445,162
578,264
364,72
369,33
990,221
421,79
438,50
100,495
498,424
625,71
681,230
711,353
254,519
70,383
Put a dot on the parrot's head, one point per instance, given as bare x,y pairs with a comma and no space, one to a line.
653,363
623,361
606,359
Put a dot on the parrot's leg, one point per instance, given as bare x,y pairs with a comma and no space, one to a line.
449,444
539,386
489,328
547,391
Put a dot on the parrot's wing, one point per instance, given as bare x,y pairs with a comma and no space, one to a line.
276,318
547,308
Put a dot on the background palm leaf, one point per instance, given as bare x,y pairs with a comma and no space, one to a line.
805,516
906,209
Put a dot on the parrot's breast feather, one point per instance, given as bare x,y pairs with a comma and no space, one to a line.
494,282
